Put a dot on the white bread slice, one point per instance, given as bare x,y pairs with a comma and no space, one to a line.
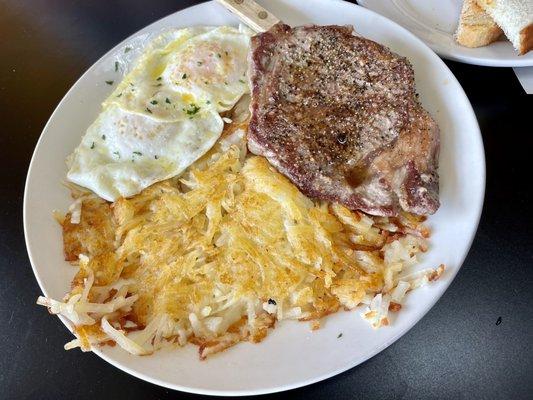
476,27
515,17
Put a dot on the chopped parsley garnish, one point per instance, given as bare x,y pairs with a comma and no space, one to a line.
103,137
131,83
109,82
120,94
272,301
226,53
241,81
208,102
116,66
92,146
225,83
167,101
137,153
147,109
127,49
339,335
193,109
154,102
158,79
199,63
218,55
207,83
184,76
156,157
116,153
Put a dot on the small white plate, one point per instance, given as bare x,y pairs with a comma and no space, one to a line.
292,355
435,23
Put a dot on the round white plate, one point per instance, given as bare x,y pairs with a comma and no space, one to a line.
435,23
292,355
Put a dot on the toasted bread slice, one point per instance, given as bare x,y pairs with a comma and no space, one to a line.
476,28
515,17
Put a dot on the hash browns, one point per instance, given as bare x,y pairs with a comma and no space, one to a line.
221,254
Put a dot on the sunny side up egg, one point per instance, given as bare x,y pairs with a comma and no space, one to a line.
164,115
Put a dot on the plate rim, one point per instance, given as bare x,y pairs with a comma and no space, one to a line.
273,389
459,57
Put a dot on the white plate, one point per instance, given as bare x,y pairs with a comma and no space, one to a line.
435,23
292,355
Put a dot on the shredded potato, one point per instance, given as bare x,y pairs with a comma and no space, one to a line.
222,253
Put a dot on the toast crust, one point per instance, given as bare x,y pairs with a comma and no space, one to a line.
526,39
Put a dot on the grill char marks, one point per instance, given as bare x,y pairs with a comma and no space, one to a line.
337,114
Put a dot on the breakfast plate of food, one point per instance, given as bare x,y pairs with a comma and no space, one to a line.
496,33
234,210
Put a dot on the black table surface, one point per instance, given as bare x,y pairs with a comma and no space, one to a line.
475,343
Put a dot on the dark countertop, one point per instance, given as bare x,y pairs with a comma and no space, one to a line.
457,351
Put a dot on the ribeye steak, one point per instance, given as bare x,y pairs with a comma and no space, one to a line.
338,115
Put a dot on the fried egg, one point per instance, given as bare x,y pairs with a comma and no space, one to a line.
164,115
136,151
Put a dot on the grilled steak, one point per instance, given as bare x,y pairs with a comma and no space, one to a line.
338,115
